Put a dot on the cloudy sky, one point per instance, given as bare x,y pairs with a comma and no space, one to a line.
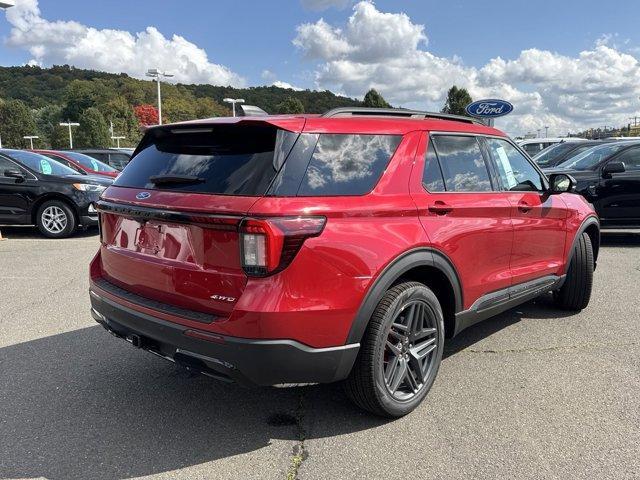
568,66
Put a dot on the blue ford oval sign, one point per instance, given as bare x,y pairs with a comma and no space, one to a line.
490,108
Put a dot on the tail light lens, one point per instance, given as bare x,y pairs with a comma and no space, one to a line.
268,245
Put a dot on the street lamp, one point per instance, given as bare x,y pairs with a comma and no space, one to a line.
157,74
70,124
7,3
233,102
30,138
117,139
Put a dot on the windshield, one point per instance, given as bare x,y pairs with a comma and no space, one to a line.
592,157
42,164
90,162
548,156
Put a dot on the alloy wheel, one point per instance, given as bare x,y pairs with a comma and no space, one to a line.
54,219
409,352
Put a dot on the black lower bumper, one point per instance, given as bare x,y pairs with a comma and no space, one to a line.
88,220
246,361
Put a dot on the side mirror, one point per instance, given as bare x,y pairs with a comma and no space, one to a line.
613,167
561,183
13,173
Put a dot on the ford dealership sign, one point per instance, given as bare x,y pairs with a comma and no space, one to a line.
489,108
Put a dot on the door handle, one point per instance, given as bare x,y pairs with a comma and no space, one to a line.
524,207
440,208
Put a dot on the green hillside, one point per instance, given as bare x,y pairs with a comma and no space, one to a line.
34,100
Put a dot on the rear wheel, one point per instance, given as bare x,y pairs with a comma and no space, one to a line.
576,291
400,353
55,219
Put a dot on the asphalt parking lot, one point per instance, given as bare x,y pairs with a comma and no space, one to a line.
533,393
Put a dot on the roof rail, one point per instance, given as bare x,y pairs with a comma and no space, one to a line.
396,112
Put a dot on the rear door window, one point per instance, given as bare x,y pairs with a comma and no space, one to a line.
630,158
223,159
347,164
463,166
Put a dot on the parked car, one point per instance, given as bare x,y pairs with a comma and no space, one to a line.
608,176
37,190
343,247
558,153
116,158
80,162
533,146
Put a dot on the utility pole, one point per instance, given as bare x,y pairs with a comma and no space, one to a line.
546,131
30,138
635,120
157,74
233,102
70,124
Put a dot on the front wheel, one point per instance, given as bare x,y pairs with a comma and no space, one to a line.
576,291
55,219
400,353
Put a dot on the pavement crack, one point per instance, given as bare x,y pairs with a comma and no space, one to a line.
583,346
300,453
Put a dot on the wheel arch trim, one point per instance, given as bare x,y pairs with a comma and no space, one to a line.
419,257
587,223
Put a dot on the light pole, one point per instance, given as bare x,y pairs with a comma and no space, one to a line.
30,138
546,131
233,102
117,139
70,124
157,74
7,3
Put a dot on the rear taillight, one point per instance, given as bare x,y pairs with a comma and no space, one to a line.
268,245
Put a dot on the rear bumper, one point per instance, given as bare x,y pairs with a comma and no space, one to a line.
245,361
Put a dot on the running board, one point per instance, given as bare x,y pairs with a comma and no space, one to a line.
497,302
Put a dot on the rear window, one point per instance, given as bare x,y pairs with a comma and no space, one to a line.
223,160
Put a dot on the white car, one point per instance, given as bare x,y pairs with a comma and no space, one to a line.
533,146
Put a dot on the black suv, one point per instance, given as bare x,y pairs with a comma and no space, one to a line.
36,190
608,176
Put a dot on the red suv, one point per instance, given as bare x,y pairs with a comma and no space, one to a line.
341,247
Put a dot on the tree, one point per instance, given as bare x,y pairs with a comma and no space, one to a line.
121,114
178,109
146,114
290,105
93,131
16,121
457,100
373,99
48,127
207,107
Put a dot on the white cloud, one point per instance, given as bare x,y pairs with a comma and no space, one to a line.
324,4
281,84
272,79
387,51
69,42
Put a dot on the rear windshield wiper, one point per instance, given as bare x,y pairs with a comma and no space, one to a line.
165,179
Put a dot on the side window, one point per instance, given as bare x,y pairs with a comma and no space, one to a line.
631,159
515,170
6,165
432,176
347,164
463,166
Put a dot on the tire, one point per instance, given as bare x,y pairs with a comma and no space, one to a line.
379,363
55,219
576,291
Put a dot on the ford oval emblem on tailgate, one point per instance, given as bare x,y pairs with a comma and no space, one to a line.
143,195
